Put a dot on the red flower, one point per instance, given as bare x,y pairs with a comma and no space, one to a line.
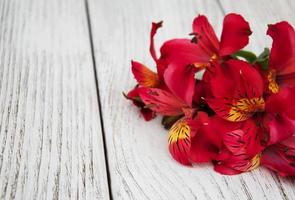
281,157
237,90
184,57
282,56
146,78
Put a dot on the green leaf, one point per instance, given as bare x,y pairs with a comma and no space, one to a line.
263,59
247,55
168,121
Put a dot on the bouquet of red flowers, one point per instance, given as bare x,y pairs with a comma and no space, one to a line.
222,104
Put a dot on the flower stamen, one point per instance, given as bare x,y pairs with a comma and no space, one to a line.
272,84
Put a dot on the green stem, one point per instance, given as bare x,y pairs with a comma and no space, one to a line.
247,55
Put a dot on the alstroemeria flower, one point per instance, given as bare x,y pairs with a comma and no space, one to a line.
280,115
281,70
146,77
237,90
281,157
242,148
188,56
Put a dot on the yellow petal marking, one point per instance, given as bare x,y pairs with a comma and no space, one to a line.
180,130
272,84
245,108
255,162
206,64
150,79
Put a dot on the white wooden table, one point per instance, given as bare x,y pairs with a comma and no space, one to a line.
66,132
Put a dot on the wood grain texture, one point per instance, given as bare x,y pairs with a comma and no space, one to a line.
140,164
50,133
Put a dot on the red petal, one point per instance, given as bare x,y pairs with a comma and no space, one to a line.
243,162
161,67
155,27
202,119
243,77
183,51
144,76
235,34
281,157
215,128
244,137
180,142
202,90
161,101
176,74
147,113
280,119
282,101
236,163
280,128
205,35
202,150
282,56
206,137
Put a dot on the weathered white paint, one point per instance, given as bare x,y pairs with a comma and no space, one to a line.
50,134
51,144
140,165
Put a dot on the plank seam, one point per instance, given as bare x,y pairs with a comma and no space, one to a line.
98,99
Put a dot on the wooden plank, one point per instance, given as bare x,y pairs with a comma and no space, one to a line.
259,14
140,164
50,134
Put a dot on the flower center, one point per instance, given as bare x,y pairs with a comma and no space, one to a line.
213,57
205,64
272,84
